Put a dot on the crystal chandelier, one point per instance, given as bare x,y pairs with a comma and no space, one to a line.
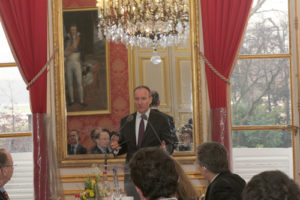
144,23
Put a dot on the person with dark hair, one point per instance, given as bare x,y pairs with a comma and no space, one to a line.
6,172
186,140
144,128
102,140
154,174
154,106
114,137
94,132
213,165
73,146
273,185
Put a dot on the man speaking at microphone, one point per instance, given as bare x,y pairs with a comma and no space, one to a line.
144,128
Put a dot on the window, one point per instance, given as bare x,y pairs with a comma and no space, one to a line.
261,104
15,124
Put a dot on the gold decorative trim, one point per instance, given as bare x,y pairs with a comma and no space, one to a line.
78,178
236,128
9,135
79,9
131,76
196,73
59,96
264,56
8,65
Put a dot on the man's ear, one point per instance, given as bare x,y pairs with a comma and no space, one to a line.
140,193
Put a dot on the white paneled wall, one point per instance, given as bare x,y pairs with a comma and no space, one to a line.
20,187
248,162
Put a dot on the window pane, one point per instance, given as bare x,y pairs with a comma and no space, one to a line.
260,92
268,28
20,187
262,139
260,150
14,102
5,53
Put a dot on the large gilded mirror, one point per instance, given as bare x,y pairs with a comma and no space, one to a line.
100,93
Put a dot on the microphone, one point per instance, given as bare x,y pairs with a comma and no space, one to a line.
144,117
128,119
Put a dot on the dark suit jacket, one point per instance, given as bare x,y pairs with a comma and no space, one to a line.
226,186
79,150
172,127
128,138
96,150
2,197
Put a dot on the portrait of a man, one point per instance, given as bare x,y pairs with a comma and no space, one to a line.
85,64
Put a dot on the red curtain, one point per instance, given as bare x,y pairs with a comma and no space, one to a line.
25,24
223,22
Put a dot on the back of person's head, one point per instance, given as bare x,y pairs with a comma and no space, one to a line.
114,133
95,132
185,189
273,185
153,172
155,99
213,156
3,158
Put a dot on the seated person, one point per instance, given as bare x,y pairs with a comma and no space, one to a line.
273,185
102,143
114,137
154,174
94,132
186,139
73,143
213,165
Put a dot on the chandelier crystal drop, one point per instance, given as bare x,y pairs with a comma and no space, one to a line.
144,23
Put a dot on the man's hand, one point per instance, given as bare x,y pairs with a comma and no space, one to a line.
163,145
115,145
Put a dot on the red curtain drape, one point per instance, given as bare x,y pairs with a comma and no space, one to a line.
25,24
224,22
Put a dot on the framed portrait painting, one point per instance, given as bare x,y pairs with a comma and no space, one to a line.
86,64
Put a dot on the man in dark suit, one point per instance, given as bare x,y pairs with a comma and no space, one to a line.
154,106
6,172
223,185
74,147
144,128
102,140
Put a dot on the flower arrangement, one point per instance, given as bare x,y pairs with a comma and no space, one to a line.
93,189
89,189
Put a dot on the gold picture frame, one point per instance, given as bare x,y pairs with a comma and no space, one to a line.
86,67
61,114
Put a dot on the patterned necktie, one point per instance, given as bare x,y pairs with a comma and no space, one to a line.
6,195
141,133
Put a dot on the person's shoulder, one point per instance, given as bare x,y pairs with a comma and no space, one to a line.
81,147
158,113
228,179
94,149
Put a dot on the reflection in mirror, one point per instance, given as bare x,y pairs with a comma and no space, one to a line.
174,79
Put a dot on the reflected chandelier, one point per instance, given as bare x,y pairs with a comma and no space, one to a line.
144,23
